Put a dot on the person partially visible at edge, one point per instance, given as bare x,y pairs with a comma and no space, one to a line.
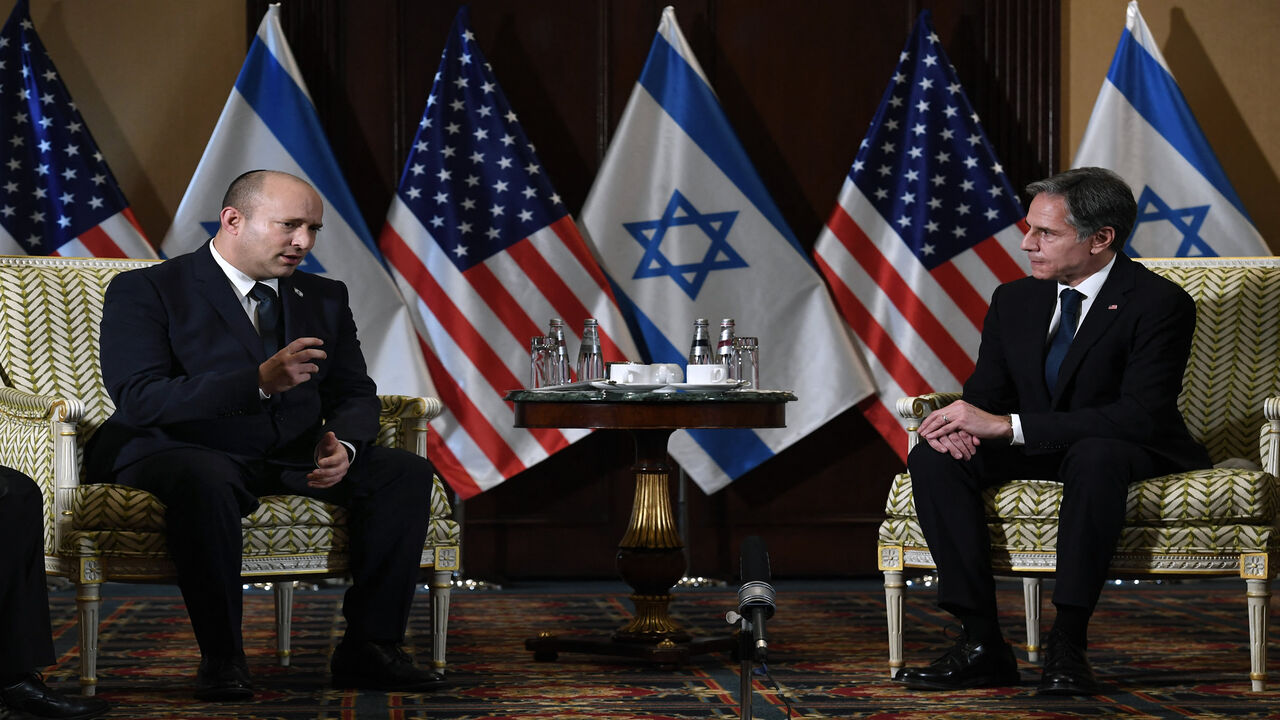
26,636
235,375
1078,375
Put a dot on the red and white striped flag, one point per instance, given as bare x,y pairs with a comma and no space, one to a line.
486,254
57,196
925,228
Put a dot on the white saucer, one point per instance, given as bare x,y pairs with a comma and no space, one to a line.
708,387
566,387
617,387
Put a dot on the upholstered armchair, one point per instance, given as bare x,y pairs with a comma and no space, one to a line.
1217,522
54,400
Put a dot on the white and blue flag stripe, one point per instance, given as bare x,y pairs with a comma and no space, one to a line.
269,122
685,229
1143,128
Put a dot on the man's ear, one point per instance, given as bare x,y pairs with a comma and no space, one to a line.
232,220
1102,240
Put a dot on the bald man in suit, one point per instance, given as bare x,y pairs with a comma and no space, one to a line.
234,375
1077,380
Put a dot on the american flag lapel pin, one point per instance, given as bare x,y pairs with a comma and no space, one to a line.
1109,307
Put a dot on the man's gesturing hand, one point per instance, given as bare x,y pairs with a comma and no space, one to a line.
332,462
292,366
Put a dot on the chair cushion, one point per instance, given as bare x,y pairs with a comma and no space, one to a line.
1216,496
1204,511
1041,536
122,521
106,506
140,544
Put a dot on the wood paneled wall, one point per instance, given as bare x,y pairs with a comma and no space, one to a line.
799,82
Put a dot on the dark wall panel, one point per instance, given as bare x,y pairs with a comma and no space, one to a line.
799,82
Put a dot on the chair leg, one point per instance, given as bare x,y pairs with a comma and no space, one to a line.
894,589
1259,595
88,603
284,619
441,588
1031,603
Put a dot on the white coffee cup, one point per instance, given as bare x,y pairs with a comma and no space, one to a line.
631,373
667,373
706,374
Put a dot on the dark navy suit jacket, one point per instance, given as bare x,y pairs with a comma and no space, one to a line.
180,360
1120,379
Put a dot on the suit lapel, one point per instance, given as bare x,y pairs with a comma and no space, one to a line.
1103,312
1030,342
214,287
293,300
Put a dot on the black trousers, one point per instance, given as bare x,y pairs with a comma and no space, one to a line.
1095,474
387,493
26,638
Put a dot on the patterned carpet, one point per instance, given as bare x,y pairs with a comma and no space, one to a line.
1161,651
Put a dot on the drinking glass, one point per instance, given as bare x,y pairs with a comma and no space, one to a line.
746,352
538,356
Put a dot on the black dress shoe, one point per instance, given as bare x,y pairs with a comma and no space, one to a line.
223,679
380,666
968,664
31,696
1066,669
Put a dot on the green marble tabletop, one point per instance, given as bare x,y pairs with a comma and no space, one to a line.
587,392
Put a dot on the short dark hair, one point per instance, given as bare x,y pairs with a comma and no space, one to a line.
1095,198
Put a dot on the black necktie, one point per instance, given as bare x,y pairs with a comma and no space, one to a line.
268,317
1062,338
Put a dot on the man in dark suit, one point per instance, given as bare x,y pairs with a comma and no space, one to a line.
234,376
1077,381
26,643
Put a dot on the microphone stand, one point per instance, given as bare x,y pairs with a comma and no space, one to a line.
746,652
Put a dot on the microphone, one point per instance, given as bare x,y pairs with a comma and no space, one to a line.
756,596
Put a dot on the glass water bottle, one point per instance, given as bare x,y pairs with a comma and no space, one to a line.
590,361
557,355
700,350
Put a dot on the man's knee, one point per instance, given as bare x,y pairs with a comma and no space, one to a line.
23,500
21,489
403,474
929,466
193,484
923,458
1105,459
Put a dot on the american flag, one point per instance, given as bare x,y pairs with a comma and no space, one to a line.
486,253
925,228
57,196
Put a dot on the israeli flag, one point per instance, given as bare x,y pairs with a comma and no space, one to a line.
1143,129
685,229
269,122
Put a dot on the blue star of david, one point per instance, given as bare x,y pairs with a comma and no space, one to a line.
1186,220
309,263
689,276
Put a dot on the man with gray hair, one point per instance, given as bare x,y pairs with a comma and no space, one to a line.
1077,381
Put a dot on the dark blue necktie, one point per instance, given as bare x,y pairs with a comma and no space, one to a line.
1062,338
268,317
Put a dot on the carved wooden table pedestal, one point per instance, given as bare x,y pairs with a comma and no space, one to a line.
651,553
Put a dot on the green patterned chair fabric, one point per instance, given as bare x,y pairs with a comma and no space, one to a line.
1222,521
54,400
